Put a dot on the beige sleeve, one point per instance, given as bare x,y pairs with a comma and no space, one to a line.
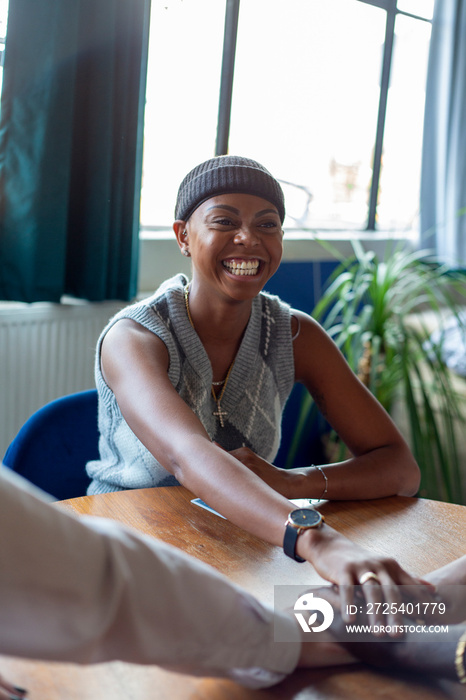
88,590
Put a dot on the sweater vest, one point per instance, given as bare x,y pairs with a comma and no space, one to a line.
259,384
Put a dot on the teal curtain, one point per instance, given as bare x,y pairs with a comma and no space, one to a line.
71,134
443,181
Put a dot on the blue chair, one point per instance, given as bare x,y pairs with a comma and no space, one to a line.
53,446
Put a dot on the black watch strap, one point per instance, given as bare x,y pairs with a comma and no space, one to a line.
289,542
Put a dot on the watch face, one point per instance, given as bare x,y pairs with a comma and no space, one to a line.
305,517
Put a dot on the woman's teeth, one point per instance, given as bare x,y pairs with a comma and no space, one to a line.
245,267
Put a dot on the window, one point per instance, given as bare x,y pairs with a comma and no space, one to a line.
3,23
183,83
328,94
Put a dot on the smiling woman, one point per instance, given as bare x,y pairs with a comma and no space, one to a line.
193,381
241,231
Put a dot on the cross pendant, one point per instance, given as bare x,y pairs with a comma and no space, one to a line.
219,413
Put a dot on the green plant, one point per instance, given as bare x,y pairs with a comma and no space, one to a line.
373,309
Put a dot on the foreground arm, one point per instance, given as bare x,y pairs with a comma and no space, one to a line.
87,590
381,463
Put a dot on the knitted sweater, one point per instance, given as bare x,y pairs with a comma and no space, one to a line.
258,387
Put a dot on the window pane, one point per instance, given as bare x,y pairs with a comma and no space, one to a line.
423,8
305,102
185,56
401,165
3,25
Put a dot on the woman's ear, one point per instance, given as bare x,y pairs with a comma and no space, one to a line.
181,234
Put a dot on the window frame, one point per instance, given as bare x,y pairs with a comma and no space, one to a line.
226,88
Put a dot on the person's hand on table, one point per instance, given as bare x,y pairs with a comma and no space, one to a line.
344,563
437,652
450,584
339,560
8,691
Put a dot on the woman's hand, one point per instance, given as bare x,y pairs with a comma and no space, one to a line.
344,563
9,691
432,653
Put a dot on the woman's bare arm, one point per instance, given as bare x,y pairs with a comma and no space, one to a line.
381,465
135,364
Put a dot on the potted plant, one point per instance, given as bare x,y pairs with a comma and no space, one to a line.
375,311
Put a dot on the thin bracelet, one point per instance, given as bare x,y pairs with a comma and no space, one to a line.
459,658
325,478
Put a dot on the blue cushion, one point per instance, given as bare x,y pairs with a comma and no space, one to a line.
53,446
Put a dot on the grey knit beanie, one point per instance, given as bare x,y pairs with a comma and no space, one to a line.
223,175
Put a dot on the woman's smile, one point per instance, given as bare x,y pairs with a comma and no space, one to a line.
240,267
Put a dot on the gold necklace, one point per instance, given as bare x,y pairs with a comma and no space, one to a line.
219,413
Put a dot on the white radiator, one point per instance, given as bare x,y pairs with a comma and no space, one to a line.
46,351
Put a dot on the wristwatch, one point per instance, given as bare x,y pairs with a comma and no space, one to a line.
298,521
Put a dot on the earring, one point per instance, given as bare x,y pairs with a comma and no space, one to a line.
186,252
184,234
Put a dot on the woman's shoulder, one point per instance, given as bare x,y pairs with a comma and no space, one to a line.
149,320
305,327
154,309
273,305
145,330
172,285
298,320
171,288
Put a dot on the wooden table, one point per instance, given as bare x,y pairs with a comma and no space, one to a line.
420,534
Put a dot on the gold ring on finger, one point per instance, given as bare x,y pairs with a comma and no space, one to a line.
369,576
